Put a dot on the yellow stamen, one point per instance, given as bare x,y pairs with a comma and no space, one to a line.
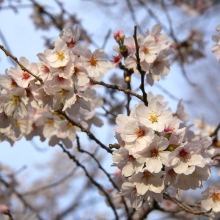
60,56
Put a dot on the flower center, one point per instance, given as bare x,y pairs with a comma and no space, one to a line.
130,158
50,121
45,69
16,100
153,117
25,75
169,129
147,175
154,153
63,93
172,173
60,56
93,61
216,197
183,153
70,44
60,79
146,50
139,132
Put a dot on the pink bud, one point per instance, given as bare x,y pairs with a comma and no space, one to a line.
5,210
119,35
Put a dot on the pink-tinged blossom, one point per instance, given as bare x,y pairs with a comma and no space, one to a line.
181,114
116,60
44,70
136,136
63,96
130,191
49,122
125,162
15,100
67,130
211,198
22,77
130,45
131,63
147,181
70,37
184,156
193,180
42,97
148,49
161,39
154,156
57,80
8,82
160,67
76,70
78,101
154,116
59,56
95,63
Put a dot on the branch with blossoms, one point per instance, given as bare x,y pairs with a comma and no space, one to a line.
156,151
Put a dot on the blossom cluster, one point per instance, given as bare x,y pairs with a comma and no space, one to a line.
158,152
29,107
32,93
153,52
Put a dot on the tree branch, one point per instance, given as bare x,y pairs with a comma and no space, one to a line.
139,67
7,53
91,179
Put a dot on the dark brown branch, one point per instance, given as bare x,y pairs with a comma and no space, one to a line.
215,132
133,15
7,53
186,207
73,158
126,91
85,130
50,185
20,197
139,67
106,38
94,158
128,97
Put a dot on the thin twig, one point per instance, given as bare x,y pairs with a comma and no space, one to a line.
85,130
50,185
117,88
73,158
139,67
94,158
128,98
186,207
106,38
20,197
133,15
215,132
7,53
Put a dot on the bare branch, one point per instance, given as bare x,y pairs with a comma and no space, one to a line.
91,179
85,130
126,91
7,53
139,67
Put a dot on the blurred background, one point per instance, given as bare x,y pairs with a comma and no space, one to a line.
51,186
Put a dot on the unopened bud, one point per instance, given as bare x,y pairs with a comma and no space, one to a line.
5,210
119,36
